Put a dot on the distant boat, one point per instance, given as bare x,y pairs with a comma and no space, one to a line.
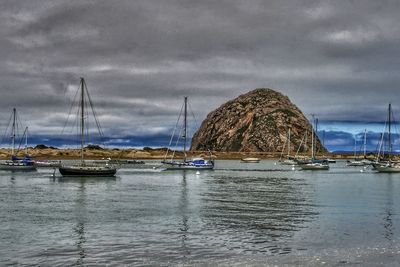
289,160
15,163
48,163
250,160
387,165
358,161
185,164
315,164
85,168
331,160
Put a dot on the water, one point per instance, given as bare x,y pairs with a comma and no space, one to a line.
237,215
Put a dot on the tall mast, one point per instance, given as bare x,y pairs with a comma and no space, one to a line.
365,143
315,137
288,145
26,140
389,137
185,130
13,131
82,118
312,138
355,147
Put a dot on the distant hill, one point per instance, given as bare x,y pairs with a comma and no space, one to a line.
256,121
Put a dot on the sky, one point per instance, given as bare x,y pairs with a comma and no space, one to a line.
336,59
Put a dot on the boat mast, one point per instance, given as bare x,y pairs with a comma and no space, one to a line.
312,138
185,130
389,137
26,140
13,131
82,118
288,146
365,143
355,147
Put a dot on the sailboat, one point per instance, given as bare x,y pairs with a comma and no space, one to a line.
358,161
197,163
18,164
289,160
388,165
315,164
85,168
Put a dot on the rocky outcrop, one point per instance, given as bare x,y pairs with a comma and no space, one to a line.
256,121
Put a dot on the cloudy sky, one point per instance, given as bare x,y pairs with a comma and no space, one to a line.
337,59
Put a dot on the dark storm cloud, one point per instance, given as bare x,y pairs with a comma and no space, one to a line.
337,59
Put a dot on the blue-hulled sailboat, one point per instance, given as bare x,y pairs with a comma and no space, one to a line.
197,163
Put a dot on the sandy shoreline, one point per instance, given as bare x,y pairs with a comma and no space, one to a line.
60,154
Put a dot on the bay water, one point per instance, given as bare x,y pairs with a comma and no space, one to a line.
240,214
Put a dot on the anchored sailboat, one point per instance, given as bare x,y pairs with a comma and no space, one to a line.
289,160
387,165
358,161
84,168
185,164
18,164
315,164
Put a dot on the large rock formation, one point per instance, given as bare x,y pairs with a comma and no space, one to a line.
257,121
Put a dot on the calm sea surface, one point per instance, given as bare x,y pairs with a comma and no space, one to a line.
239,214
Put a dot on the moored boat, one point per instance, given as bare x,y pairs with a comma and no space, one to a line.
313,163
86,168
250,160
387,165
186,163
18,164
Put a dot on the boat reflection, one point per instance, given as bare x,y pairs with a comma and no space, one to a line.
183,208
81,217
257,211
387,220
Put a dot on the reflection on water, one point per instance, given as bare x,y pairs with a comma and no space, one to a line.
258,211
79,229
183,209
388,223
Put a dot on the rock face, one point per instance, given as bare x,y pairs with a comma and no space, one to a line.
257,121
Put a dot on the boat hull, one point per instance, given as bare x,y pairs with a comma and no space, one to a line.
288,162
250,160
17,167
85,171
184,166
386,168
47,164
315,167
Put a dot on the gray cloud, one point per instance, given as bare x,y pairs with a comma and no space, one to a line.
337,59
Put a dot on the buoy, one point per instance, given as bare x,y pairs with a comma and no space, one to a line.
154,168
293,168
197,173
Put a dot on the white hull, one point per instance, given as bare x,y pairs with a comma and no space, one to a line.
48,164
315,166
387,168
250,160
288,162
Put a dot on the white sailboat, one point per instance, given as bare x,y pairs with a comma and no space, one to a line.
388,165
15,163
85,168
197,163
289,160
357,161
315,164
